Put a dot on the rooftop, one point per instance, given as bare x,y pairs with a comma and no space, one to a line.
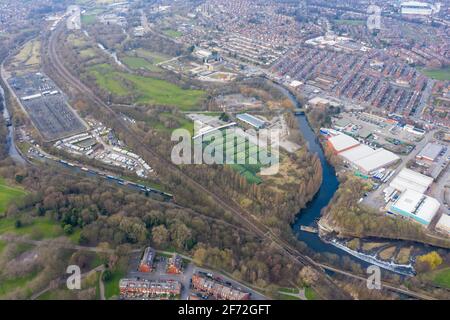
409,179
342,142
416,205
251,120
430,151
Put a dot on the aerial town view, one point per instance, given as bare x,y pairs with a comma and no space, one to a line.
262,150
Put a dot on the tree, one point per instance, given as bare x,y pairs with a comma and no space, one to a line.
18,224
107,275
160,235
429,261
68,229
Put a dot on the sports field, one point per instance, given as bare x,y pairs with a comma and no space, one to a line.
244,154
8,194
442,74
147,90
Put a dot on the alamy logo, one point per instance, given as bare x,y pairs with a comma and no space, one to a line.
374,279
228,146
74,280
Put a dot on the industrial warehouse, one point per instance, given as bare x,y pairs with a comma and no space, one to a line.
359,156
406,192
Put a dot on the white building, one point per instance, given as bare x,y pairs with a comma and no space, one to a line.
409,179
416,206
444,224
416,8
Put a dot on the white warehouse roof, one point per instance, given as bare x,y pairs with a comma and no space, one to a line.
357,153
415,205
343,142
444,223
368,159
409,179
379,158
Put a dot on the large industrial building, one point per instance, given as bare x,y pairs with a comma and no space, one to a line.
369,160
360,156
408,179
416,206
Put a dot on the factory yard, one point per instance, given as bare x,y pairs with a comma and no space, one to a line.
46,106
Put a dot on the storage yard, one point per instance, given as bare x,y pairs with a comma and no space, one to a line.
46,106
102,145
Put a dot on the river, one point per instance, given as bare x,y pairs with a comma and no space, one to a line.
311,214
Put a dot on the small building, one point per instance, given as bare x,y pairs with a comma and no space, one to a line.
415,206
408,179
175,264
443,224
251,120
430,152
146,264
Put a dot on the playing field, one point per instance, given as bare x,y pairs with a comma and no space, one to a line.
8,194
438,74
442,278
147,89
172,33
136,63
244,154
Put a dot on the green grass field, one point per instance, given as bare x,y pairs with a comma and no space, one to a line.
148,90
241,152
155,57
112,286
137,63
8,194
442,277
2,246
41,228
310,294
172,33
9,285
88,19
438,74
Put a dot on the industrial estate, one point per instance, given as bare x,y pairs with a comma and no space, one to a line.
224,150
